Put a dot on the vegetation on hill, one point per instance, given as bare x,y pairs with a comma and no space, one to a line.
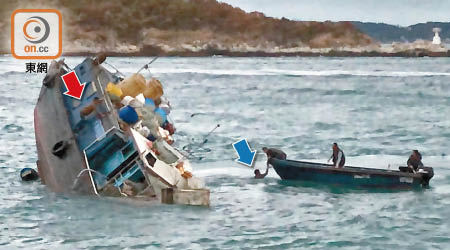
177,25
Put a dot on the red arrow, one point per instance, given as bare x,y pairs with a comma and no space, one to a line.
74,87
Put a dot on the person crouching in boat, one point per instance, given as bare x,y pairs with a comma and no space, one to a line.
272,153
337,156
415,161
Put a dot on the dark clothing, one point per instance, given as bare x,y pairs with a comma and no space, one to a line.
275,153
415,161
405,169
338,155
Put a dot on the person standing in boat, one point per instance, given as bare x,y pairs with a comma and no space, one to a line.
338,156
415,160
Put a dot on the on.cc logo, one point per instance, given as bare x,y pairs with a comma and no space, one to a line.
36,34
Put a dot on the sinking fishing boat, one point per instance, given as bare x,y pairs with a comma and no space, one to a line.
96,154
352,176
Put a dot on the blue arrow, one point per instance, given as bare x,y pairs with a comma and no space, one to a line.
246,155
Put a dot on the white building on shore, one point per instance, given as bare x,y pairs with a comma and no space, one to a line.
436,38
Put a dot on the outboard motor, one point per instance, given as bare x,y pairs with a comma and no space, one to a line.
427,174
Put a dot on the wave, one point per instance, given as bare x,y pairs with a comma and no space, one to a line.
275,72
360,73
211,72
9,73
13,128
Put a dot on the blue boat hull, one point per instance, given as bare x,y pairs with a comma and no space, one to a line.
350,176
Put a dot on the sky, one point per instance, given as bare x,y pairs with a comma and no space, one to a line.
397,12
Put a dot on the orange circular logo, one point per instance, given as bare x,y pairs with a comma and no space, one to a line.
36,29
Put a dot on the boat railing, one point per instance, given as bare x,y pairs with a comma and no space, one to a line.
100,138
112,118
94,186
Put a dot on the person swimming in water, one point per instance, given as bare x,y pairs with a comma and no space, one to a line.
258,174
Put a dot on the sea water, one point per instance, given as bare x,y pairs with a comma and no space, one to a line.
376,109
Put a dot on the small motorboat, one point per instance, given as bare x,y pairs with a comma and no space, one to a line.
352,176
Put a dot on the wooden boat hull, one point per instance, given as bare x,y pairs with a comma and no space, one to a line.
52,125
89,153
350,176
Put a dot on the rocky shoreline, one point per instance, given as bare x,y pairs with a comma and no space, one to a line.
146,51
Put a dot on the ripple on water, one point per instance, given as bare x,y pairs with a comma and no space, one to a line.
13,128
320,126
